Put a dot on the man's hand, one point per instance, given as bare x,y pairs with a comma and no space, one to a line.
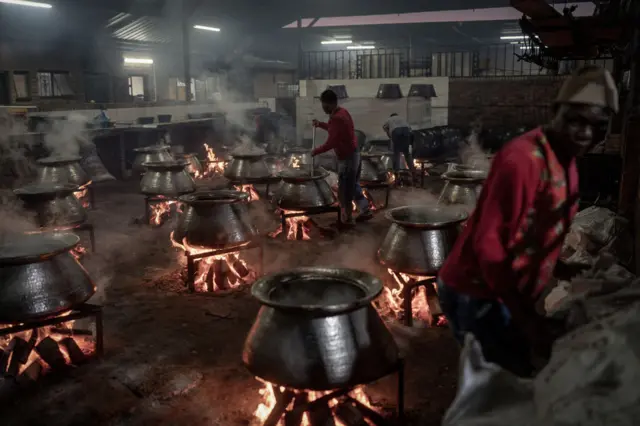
315,123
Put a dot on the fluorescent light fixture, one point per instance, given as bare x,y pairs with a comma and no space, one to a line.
361,46
513,37
342,36
27,3
203,27
138,61
336,42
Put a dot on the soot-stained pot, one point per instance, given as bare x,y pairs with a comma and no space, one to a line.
56,170
169,179
420,238
194,166
247,166
40,277
300,190
215,219
372,168
317,330
462,186
150,154
54,205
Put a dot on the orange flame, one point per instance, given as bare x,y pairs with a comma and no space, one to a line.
249,189
159,210
269,402
79,251
82,194
294,226
393,298
239,271
215,165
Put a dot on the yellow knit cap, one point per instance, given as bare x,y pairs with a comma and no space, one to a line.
590,85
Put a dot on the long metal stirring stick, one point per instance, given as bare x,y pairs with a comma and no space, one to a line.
313,146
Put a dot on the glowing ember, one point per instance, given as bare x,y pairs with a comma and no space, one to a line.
295,162
36,351
249,189
79,251
392,301
268,403
159,211
297,227
215,165
82,194
218,272
418,166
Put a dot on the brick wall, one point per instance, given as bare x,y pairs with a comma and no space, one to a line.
502,102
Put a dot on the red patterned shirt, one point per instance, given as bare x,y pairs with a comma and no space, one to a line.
515,234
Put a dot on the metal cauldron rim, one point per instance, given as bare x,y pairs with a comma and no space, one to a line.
249,154
222,196
298,150
464,176
59,160
28,248
369,284
45,188
458,215
302,175
152,148
175,165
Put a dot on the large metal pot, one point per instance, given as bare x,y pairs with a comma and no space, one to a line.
387,161
215,219
301,190
40,277
420,238
297,158
462,186
247,167
150,154
55,206
275,164
194,166
372,168
61,171
168,178
317,330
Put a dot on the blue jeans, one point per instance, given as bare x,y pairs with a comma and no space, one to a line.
401,139
349,185
490,323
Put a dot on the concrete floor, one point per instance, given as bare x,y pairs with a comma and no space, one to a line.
174,358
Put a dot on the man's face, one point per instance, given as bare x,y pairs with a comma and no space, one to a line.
328,108
581,126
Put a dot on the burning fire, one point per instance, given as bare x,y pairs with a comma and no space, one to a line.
249,189
159,211
393,298
82,194
218,272
215,165
269,402
34,352
79,251
297,228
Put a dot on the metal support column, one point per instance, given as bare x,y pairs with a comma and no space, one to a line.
186,49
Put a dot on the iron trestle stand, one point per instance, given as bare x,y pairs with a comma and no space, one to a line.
308,212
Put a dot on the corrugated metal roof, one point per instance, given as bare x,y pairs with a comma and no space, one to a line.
144,29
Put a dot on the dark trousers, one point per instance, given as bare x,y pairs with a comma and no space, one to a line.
401,139
349,185
490,323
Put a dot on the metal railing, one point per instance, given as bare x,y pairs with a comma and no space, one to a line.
499,60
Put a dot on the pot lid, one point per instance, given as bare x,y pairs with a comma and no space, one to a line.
59,160
426,217
298,150
466,175
248,152
34,247
215,197
46,189
302,175
320,291
152,148
176,165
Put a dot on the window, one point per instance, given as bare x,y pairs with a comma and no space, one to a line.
21,90
54,84
136,87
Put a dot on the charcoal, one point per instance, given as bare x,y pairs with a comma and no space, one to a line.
220,276
299,231
4,361
295,416
282,401
20,354
75,353
30,374
71,332
320,414
239,267
50,353
370,414
350,415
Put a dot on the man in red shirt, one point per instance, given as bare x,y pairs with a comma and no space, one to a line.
508,249
342,139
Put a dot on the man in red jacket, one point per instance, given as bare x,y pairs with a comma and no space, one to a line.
342,139
508,249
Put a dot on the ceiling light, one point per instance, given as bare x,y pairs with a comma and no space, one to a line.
336,42
360,46
513,37
138,61
27,3
203,27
